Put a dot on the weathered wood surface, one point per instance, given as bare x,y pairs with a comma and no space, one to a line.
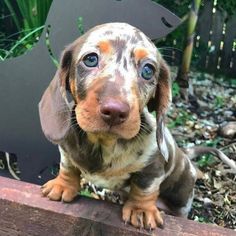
23,211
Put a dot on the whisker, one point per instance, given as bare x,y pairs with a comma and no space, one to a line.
170,48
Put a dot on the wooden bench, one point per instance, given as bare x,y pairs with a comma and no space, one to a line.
23,211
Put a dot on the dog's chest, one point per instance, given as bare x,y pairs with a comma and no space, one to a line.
120,162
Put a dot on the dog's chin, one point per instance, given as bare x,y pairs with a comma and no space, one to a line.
99,131
106,139
109,136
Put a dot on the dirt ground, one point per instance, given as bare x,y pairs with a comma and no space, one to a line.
199,122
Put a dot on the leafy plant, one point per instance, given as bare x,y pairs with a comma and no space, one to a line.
227,6
206,160
29,17
201,219
85,193
32,13
175,89
48,44
80,25
181,119
219,101
25,41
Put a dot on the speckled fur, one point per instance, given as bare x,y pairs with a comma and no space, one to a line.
139,153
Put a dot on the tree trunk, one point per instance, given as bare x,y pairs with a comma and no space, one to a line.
183,73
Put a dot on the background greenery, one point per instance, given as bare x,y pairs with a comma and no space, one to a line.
21,23
181,8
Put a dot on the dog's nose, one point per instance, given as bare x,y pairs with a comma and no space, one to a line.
114,112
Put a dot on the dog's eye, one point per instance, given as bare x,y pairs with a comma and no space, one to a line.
148,71
91,60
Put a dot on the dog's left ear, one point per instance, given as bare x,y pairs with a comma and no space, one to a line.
160,103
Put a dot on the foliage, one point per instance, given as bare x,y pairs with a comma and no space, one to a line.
25,42
85,193
228,6
80,25
175,89
176,39
219,101
206,160
28,17
32,14
48,44
181,119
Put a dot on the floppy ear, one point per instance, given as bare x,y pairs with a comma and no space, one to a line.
160,103
54,107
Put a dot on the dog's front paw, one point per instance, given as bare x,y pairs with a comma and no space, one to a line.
64,187
142,216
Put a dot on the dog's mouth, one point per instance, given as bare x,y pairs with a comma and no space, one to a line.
112,132
99,131
108,118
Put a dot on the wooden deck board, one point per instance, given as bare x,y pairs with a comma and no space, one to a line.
23,211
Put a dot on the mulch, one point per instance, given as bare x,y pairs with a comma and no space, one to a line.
211,106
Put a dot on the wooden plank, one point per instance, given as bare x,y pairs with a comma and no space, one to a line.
216,38
228,54
23,211
203,30
209,28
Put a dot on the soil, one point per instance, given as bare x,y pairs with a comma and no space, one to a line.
211,105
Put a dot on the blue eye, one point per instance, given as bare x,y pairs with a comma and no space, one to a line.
148,71
91,60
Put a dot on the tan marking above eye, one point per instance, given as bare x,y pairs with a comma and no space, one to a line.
105,46
140,53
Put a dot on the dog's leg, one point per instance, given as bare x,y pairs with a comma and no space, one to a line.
66,185
140,209
177,190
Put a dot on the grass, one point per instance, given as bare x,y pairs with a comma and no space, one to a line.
33,13
4,54
29,17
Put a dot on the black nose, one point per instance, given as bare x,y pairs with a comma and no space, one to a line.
114,112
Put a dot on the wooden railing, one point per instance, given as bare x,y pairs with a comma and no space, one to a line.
23,211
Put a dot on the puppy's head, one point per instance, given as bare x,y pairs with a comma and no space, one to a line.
112,72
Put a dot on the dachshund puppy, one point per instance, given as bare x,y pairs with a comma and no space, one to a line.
97,109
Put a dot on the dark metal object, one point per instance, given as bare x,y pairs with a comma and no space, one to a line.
23,79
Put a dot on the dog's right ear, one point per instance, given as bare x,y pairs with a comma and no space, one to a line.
160,103
54,108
